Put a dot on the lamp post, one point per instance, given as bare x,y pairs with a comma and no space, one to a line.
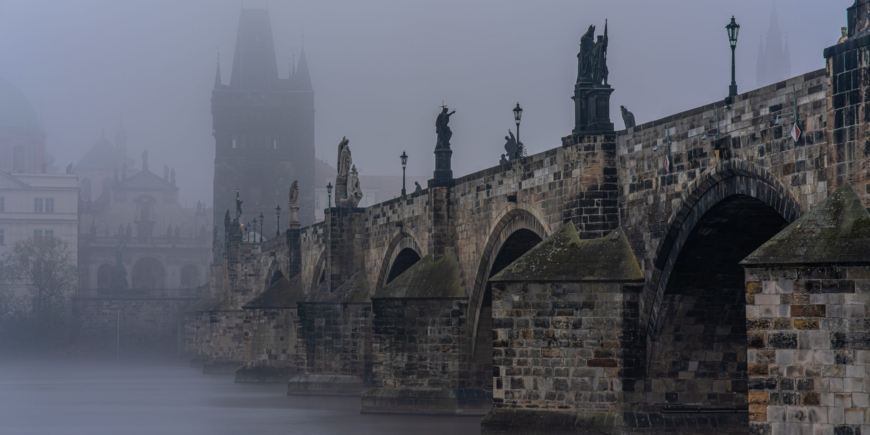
261,226
329,195
518,115
252,228
733,30
404,158
278,216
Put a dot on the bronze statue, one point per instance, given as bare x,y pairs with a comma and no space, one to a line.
599,60
627,117
587,42
442,129
238,205
510,146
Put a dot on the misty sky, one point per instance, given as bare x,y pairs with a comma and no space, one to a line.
381,68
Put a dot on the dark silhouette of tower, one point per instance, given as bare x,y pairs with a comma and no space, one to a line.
774,61
263,127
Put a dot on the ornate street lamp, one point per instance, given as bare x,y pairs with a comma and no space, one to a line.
261,226
733,31
329,195
278,216
518,115
404,158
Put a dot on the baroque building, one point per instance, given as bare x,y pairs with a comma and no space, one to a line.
136,237
263,127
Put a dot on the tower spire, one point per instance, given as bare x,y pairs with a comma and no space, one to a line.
217,74
303,78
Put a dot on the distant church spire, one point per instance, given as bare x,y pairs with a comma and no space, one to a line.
774,61
217,74
303,78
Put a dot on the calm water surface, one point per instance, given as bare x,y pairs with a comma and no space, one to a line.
115,399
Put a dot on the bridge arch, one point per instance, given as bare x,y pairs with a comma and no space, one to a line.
402,252
273,273
527,230
734,177
693,311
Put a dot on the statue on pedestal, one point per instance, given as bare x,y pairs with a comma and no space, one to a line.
354,191
510,146
442,128
293,205
584,57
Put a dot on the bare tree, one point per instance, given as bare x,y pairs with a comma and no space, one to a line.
43,267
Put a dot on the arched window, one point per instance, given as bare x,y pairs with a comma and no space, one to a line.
149,273
189,276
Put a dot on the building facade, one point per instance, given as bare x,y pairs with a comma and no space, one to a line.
263,127
38,205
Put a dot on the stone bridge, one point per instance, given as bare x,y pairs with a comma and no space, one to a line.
404,304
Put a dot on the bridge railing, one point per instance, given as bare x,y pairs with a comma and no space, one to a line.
137,293
146,241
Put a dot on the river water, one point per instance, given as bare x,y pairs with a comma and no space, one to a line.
167,399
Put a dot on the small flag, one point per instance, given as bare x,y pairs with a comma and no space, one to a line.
795,132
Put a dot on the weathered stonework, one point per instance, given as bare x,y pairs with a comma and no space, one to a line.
808,300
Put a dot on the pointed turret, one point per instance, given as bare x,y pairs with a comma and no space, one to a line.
254,63
303,78
759,64
217,74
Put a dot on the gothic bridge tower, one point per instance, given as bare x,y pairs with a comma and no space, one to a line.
263,126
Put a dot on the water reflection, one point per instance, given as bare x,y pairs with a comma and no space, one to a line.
73,399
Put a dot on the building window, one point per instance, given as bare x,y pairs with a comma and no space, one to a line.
1,270
2,237
48,233
2,204
38,205
37,234
49,205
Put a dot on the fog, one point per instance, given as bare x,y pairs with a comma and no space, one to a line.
380,69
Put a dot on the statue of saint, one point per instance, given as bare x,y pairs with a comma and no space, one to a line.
587,42
294,194
503,160
344,159
510,146
442,129
417,187
239,203
354,192
599,60
627,117
845,35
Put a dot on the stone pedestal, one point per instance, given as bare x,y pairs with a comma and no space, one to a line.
442,164
592,108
